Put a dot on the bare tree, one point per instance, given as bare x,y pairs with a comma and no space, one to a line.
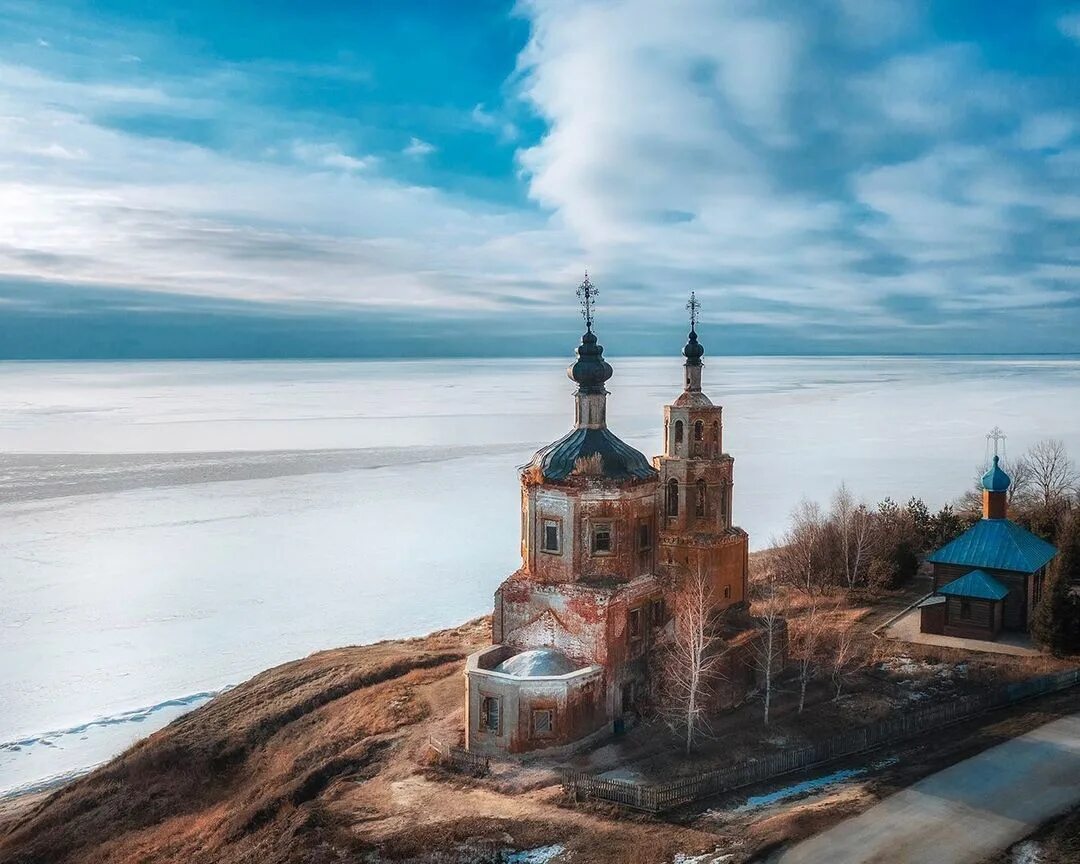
806,638
768,647
692,661
852,523
1053,474
843,657
800,554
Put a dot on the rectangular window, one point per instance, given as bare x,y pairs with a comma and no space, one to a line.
656,612
727,592
635,623
601,538
644,536
965,609
489,714
543,723
552,541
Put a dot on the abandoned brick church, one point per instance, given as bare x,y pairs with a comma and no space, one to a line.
605,537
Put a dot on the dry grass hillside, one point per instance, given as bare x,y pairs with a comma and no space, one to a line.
317,760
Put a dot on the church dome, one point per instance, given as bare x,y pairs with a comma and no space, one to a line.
585,452
694,350
995,480
537,663
590,370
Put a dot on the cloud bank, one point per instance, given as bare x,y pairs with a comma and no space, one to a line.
846,176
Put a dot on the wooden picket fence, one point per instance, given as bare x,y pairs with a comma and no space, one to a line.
460,759
657,798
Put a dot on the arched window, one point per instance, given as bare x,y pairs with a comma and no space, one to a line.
699,509
673,497
678,434
699,430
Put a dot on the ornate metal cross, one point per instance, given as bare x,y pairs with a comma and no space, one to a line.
693,305
587,293
996,435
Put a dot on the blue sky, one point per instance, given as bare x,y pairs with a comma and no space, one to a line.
425,179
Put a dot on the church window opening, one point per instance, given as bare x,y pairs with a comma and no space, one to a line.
699,509
727,592
601,538
699,430
644,536
552,539
656,612
635,624
489,714
543,723
678,434
673,498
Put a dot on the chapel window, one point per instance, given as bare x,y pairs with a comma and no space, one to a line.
727,592
552,536
673,497
601,538
678,434
543,723
699,509
699,430
489,714
644,536
635,624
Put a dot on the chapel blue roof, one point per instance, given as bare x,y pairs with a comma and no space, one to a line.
997,544
617,459
995,480
976,584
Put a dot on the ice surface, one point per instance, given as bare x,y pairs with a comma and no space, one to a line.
172,528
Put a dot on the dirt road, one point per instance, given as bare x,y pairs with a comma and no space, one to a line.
964,813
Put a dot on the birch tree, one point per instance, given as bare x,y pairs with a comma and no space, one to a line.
852,523
843,657
806,638
692,662
768,647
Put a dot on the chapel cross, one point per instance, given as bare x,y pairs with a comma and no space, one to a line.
997,436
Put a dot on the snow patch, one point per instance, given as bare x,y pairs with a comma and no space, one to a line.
816,784
1026,852
714,857
539,855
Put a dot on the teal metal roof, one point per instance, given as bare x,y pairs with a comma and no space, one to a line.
981,586
995,480
997,544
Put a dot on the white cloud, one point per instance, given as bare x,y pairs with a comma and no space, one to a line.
419,149
331,156
1069,26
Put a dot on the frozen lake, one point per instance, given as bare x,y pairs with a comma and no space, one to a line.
167,529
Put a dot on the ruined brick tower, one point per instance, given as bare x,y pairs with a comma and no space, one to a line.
605,538
696,481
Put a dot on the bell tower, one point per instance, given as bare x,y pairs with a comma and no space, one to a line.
695,501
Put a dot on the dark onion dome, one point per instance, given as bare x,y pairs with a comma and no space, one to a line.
596,453
590,370
694,351
996,480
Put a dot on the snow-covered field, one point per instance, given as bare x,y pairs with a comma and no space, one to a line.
168,529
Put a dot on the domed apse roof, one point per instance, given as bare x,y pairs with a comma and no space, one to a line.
995,480
537,663
591,453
